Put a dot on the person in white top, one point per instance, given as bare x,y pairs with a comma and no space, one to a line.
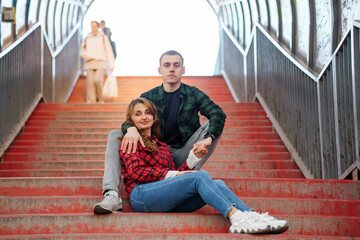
97,53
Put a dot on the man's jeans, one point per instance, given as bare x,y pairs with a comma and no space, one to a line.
185,193
112,171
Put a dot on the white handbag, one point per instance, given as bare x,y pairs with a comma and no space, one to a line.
110,89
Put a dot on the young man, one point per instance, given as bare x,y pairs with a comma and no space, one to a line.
178,106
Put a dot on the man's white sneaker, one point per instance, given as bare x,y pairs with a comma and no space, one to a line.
277,226
110,203
248,222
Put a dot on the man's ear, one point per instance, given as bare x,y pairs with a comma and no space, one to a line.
183,71
159,71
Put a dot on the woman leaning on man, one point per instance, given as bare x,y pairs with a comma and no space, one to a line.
153,184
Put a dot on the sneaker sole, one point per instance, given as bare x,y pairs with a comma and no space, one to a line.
100,210
279,229
251,231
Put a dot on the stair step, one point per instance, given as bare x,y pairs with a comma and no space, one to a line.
244,187
216,173
163,223
171,236
112,123
100,155
84,204
103,135
93,164
102,148
18,143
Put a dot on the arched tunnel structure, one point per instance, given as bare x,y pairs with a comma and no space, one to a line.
299,59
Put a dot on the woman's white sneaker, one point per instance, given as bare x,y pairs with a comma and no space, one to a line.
277,226
247,222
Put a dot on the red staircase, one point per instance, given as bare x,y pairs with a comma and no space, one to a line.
51,176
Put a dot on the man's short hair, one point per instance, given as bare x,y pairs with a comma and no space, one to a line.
171,52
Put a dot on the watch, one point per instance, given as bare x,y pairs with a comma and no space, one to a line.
209,135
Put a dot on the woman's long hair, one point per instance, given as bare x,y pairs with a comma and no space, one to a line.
155,128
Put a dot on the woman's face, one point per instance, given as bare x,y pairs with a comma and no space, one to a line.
94,27
142,118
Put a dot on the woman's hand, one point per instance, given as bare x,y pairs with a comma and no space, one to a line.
183,172
130,140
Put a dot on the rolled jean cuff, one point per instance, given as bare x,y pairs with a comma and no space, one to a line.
228,210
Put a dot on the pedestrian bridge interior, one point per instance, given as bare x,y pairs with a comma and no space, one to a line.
288,78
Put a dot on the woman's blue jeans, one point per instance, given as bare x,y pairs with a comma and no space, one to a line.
185,193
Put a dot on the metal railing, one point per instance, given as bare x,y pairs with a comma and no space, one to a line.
316,115
20,84
31,71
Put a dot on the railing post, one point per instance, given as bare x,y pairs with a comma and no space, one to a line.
355,60
336,115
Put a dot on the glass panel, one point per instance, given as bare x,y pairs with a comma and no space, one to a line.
20,15
303,28
65,20
323,32
274,17
264,14
5,27
286,18
33,11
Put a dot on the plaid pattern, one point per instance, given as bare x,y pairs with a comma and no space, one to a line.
145,166
192,101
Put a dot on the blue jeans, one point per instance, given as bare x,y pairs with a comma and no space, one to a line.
185,193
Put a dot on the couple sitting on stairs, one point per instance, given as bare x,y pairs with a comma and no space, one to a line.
161,177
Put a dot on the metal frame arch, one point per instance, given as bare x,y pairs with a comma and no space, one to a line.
243,26
294,29
312,34
280,22
335,16
247,9
237,31
27,9
13,26
268,15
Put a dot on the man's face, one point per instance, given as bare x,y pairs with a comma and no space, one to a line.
171,68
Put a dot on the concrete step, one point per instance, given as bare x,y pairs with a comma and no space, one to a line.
101,148
116,123
244,187
84,204
56,142
173,236
216,173
79,129
100,155
163,223
96,164
103,135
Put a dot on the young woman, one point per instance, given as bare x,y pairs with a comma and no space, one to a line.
97,53
154,185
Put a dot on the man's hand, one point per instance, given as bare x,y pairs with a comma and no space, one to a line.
200,148
130,140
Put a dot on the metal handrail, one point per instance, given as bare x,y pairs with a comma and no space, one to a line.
41,76
320,83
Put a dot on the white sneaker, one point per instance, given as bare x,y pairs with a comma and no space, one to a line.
250,223
277,226
109,204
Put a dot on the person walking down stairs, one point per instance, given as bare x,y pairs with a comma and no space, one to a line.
97,52
153,184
